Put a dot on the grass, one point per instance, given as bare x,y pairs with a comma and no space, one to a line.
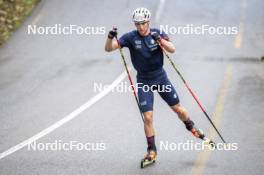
12,15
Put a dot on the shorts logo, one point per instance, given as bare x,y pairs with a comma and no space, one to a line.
174,96
143,103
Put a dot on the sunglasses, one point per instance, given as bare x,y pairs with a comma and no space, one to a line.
140,23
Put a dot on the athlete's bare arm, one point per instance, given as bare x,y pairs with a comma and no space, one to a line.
167,45
111,44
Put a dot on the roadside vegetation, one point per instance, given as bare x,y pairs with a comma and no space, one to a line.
12,15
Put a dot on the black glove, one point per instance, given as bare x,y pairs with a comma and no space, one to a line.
156,36
112,33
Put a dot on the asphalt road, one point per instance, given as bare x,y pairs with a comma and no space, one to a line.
44,78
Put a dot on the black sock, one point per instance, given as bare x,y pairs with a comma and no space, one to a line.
151,143
189,124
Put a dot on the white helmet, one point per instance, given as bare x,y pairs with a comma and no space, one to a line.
141,15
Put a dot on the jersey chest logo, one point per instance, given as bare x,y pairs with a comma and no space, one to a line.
138,44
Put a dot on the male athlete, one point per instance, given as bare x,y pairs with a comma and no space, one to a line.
147,58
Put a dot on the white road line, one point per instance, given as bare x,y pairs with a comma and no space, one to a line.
38,16
159,10
66,119
36,19
239,37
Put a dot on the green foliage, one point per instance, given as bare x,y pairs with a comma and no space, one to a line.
12,14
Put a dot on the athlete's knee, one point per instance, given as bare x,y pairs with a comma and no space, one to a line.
148,119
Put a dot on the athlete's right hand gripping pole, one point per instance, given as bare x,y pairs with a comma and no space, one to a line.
190,90
129,77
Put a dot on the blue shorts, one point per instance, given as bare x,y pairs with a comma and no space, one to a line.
161,84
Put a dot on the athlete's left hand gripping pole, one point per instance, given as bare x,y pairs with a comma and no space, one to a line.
129,77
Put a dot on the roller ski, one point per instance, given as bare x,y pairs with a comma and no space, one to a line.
149,159
198,133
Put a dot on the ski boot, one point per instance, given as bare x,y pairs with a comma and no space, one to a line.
149,159
200,134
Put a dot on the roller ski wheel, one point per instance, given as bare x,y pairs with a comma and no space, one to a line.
210,142
149,159
200,134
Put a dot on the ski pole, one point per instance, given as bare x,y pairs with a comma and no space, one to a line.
190,90
129,77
